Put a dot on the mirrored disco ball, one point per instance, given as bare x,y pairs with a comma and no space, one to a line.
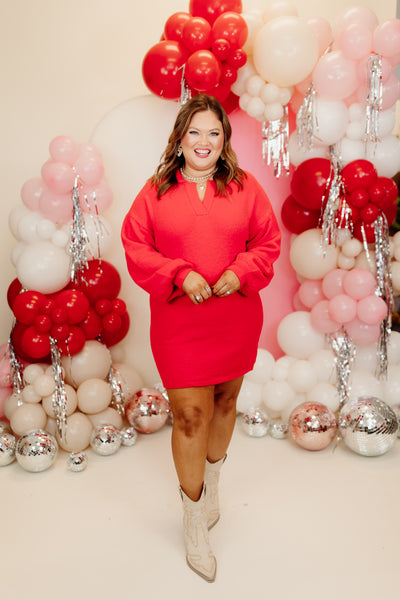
255,422
105,440
396,410
77,461
278,429
36,450
147,410
7,448
312,425
368,426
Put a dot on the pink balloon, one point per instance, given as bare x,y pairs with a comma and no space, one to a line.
386,38
335,77
390,92
372,309
359,283
321,319
297,303
361,333
322,30
89,167
356,14
31,192
342,308
5,368
364,67
355,41
58,176
64,149
310,292
332,283
56,207
5,393
95,198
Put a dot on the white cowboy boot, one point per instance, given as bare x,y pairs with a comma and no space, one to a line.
211,479
199,555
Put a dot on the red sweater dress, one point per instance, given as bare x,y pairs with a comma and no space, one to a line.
164,239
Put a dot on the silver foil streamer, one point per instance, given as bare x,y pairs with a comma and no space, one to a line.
384,289
79,237
117,394
59,396
306,121
344,351
374,99
185,89
336,213
16,370
275,139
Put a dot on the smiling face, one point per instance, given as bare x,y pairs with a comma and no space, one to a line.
202,143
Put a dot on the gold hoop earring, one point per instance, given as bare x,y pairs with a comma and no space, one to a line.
179,151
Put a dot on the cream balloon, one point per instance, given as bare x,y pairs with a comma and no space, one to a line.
94,360
309,258
109,416
297,337
30,395
277,395
28,417
129,379
254,24
285,51
43,267
44,385
77,434
279,8
70,404
31,372
94,395
11,404
244,73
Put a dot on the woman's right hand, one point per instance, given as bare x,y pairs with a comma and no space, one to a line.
196,287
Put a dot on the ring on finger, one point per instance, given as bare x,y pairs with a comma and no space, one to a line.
198,298
228,292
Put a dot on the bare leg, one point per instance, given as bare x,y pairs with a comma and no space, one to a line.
192,409
223,420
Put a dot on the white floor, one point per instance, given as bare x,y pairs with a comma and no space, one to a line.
294,524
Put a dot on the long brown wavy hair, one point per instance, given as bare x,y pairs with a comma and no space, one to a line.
227,168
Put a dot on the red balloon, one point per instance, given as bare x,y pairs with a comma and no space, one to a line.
59,315
28,305
237,58
13,290
174,25
35,344
309,182
196,34
60,332
228,75
232,27
74,343
16,337
111,338
296,218
231,103
74,302
358,174
103,306
369,213
103,281
91,326
220,92
42,323
202,71
358,198
368,229
383,192
221,49
112,322
162,69
119,306
211,9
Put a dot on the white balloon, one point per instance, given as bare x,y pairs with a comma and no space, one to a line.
14,217
297,337
385,155
46,229
255,107
43,267
299,153
363,383
281,367
27,227
302,377
250,396
324,365
394,348
16,252
396,276
254,23
332,117
279,8
355,130
351,150
345,262
326,394
309,258
352,247
273,111
356,112
269,93
254,85
391,387
277,395
239,87
244,100
60,238
366,358
262,369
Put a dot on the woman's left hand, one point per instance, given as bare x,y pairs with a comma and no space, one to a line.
227,284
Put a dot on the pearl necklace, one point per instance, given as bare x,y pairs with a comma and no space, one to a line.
200,181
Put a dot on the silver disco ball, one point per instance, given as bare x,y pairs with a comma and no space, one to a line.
368,426
36,450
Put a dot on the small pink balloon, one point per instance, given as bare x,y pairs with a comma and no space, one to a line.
355,14
321,319
386,38
335,77
64,149
89,167
310,292
56,207
59,177
361,333
372,309
5,393
342,308
359,283
322,30
31,192
332,283
355,41
297,303
96,198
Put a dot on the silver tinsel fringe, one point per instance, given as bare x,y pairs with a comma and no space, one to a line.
384,289
374,99
275,138
186,94
332,218
117,399
16,368
344,351
59,396
306,121
79,237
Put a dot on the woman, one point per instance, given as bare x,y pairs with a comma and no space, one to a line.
201,238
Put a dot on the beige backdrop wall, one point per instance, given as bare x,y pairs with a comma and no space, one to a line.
67,63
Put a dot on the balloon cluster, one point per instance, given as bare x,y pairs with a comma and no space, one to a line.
203,48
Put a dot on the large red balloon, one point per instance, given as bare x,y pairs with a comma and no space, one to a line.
232,27
202,71
13,290
74,302
296,218
358,174
309,182
174,25
16,338
211,9
74,342
196,34
162,69
102,280
383,192
28,305
35,344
